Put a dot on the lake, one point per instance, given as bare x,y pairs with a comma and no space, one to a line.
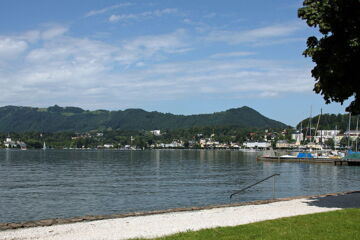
37,184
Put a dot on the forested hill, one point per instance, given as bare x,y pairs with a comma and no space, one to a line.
330,121
55,119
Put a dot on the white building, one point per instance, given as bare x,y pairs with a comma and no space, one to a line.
257,144
9,143
156,132
323,135
353,134
108,145
284,144
297,136
173,144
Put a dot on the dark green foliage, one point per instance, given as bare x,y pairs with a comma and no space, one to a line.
330,143
57,119
330,122
337,53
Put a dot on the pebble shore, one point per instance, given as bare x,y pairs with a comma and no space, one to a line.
160,223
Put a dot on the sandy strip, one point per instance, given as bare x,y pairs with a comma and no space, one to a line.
168,223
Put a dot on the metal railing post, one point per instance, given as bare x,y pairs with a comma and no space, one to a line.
274,175
274,187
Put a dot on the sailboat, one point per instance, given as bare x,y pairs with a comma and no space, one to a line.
44,146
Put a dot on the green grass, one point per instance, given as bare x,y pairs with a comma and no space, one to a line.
342,224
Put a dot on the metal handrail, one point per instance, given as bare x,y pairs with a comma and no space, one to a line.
276,174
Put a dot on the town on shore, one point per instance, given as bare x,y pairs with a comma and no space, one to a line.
194,138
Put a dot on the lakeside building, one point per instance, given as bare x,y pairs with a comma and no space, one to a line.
156,132
257,145
353,134
9,143
313,145
298,137
285,144
22,145
323,135
209,143
173,144
108,145
234,145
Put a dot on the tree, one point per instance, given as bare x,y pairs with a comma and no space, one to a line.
330,143
337,75
344,142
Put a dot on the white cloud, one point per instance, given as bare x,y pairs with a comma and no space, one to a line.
232,54
62,67
53,32
106,9
84,72
31,36
154,47
253,35
11,47
144,15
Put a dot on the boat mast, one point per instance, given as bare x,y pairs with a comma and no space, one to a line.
335,137
301,134
357,131
317,126
349,131
310,121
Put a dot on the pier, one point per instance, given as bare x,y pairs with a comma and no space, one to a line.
336,162
304,160
342,162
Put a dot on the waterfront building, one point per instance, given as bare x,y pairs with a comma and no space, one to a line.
297,136
108,145
257,144
9,143
353,134
156,132
284,144
323,135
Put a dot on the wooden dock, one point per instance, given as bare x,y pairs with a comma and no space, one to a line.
296,160
341,162
335,161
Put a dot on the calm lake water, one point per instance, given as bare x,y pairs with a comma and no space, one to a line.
65,183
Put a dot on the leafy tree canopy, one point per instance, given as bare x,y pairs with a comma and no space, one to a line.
337,52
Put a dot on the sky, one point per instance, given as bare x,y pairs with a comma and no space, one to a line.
182,57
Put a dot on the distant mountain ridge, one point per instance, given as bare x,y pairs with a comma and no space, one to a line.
56,119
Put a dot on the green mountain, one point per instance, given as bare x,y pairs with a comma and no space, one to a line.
330,122
56,119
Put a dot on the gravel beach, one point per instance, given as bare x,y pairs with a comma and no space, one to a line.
169,223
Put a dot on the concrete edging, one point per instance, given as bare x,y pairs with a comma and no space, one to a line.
57,221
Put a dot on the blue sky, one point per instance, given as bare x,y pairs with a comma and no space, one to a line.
183,57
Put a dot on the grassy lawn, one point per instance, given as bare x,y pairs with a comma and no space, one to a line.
343,224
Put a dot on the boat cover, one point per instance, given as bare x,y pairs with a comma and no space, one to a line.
304,155
352,156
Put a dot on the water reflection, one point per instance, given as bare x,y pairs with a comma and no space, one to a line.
49,184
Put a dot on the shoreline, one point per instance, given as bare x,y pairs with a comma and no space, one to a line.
91,218
166,222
